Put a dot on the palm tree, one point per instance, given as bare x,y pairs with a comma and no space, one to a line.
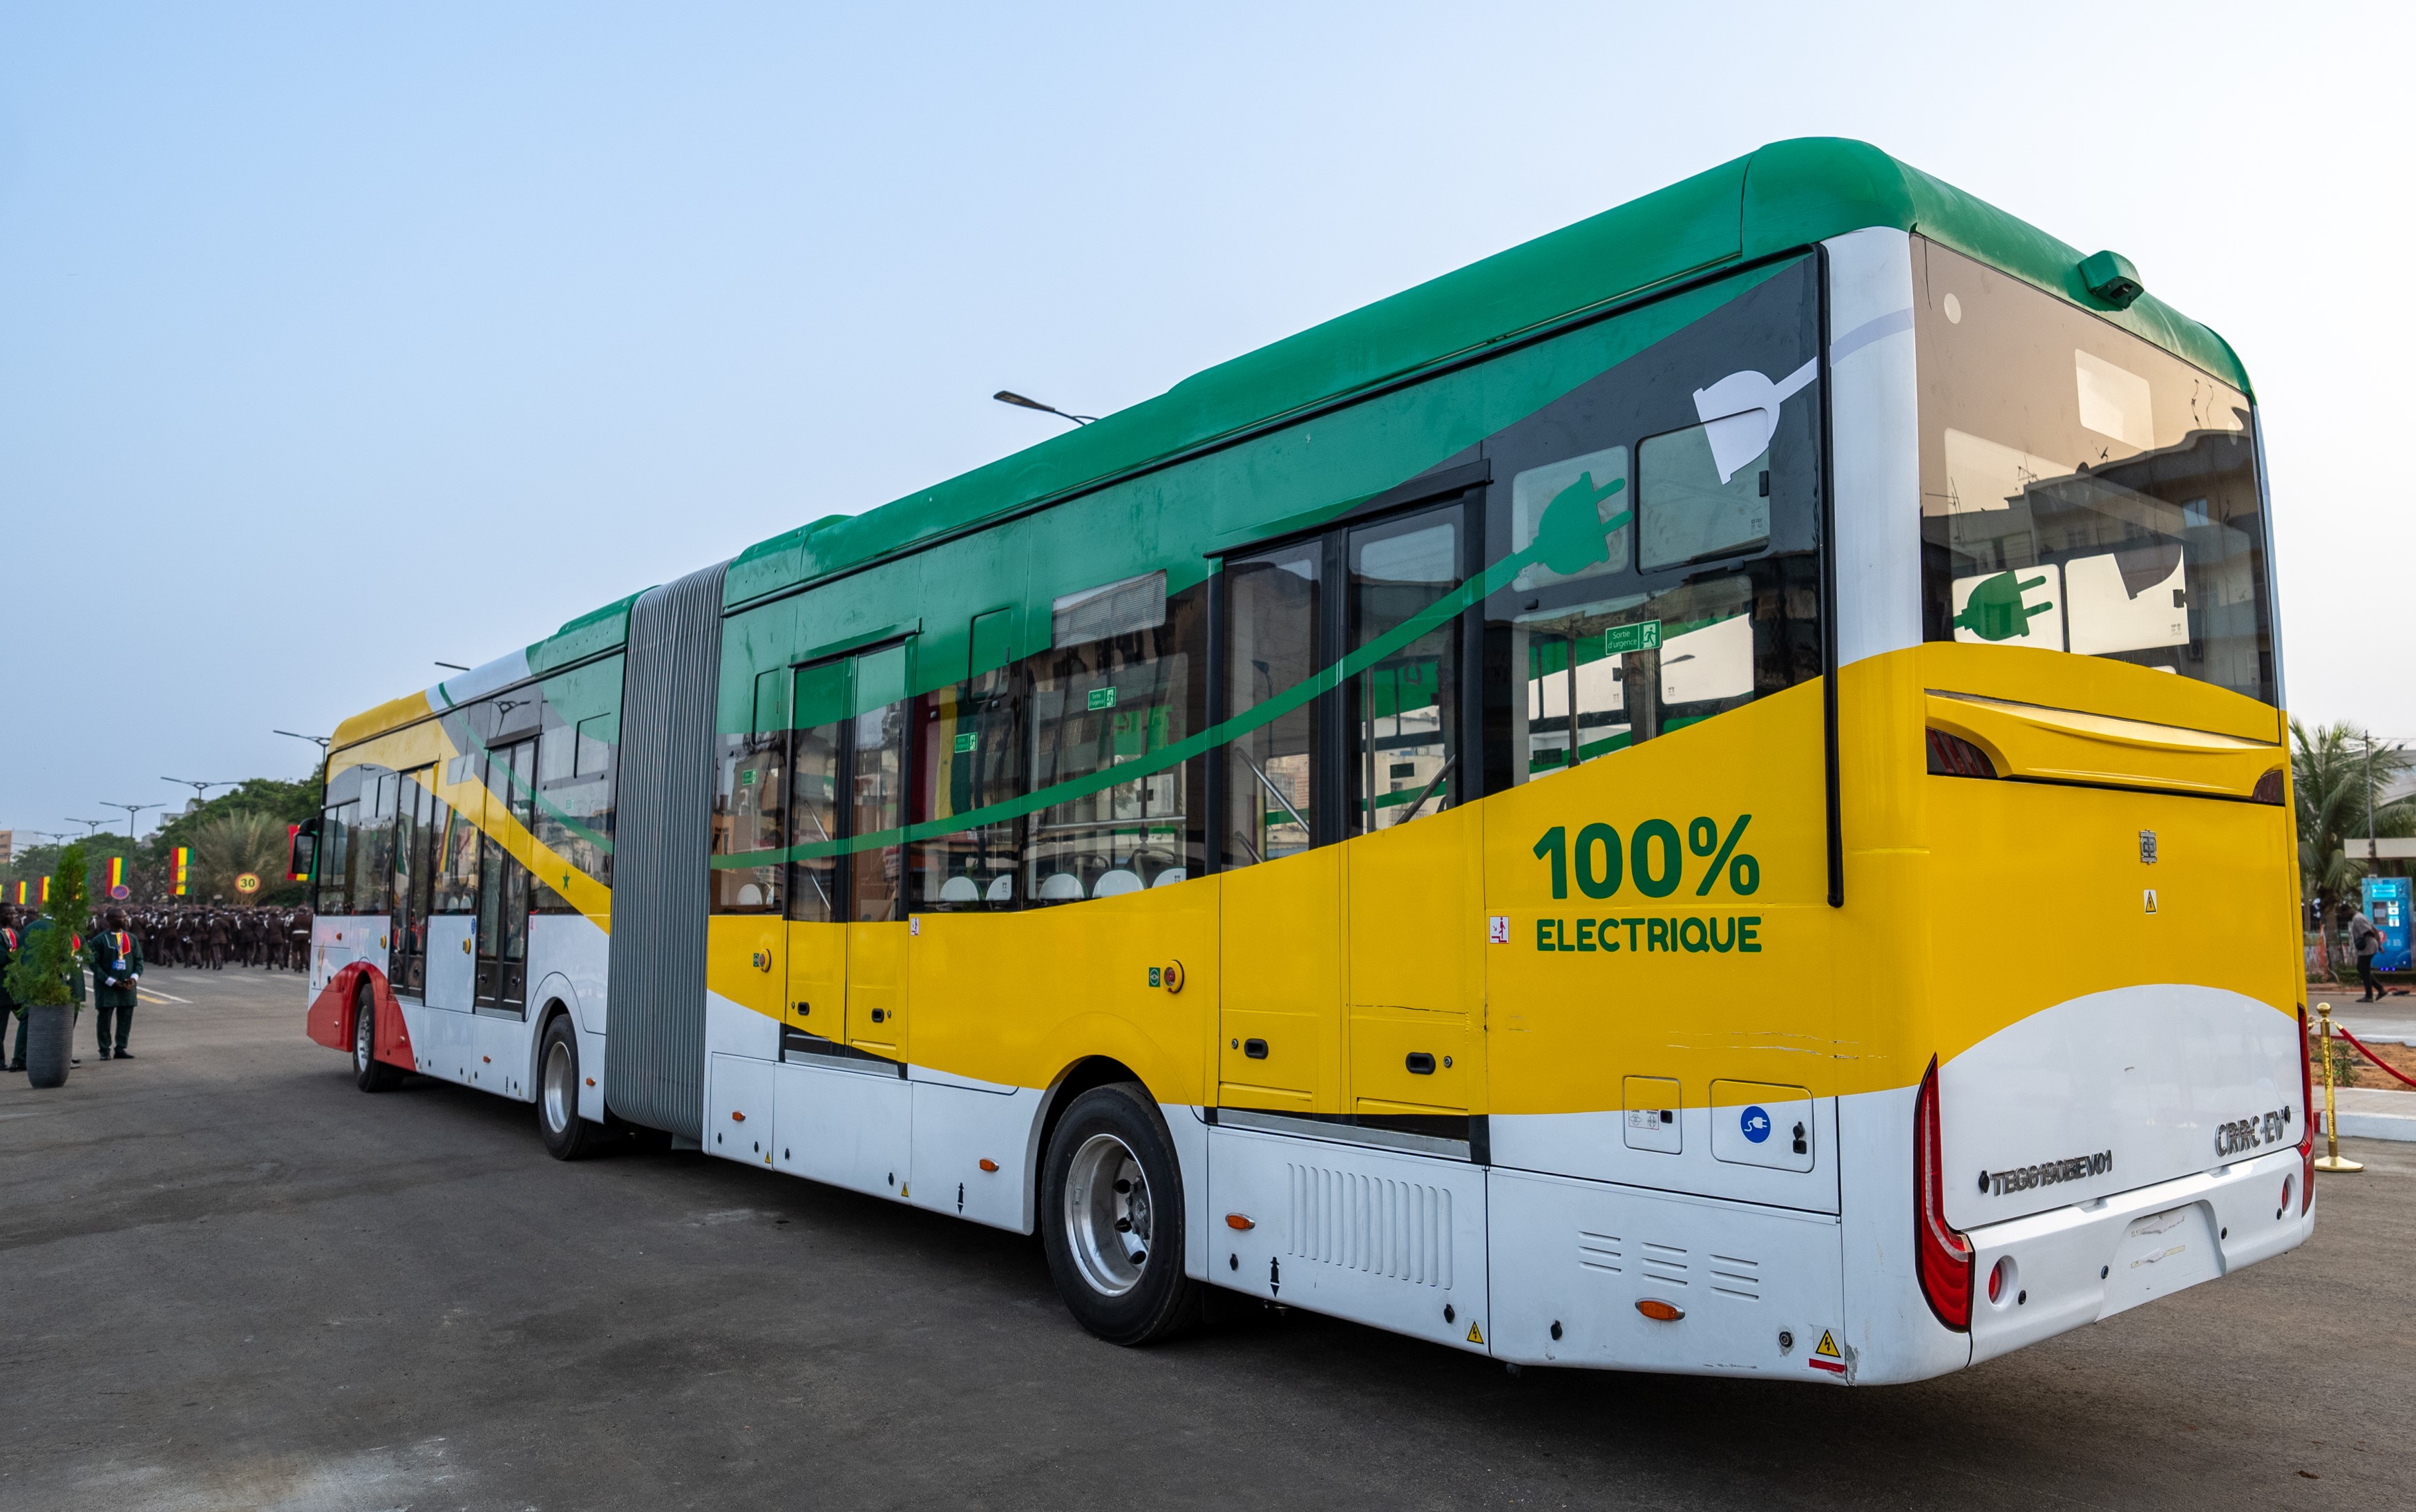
2332,769
227,847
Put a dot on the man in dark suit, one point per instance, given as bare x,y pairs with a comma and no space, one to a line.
117,965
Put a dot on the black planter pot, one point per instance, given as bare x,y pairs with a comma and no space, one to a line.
50,1033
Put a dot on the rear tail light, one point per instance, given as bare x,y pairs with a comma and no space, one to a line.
1953,756
1944,1255
2307,1105
2269,788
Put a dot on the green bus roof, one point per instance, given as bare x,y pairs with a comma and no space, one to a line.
1784,196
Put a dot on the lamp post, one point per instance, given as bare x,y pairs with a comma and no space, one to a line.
1009,397
92,826
201,790
131,809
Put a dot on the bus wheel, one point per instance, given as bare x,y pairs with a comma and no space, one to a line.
567,1136
1111,1218
369,1074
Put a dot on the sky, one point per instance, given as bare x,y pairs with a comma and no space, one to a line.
337,341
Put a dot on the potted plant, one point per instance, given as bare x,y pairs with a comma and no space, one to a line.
47,978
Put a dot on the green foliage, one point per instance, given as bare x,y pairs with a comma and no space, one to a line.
235,843
2330,769
38,977
287,803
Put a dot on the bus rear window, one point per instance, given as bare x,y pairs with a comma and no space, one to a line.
2083,490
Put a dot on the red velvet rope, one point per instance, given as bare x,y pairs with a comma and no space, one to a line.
2369,1054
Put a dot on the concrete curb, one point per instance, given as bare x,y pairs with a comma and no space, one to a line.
2371,1113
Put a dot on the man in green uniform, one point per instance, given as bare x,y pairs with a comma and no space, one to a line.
116,966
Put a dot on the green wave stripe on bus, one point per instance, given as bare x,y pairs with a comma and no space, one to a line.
1492,580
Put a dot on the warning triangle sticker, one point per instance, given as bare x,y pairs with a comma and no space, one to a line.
1828,1345
1474,1335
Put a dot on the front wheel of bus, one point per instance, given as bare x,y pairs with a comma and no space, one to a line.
369,1074
1111,1218
567,1136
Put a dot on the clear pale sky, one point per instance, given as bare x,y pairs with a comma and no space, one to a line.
336,341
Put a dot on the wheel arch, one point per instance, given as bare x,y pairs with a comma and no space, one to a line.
1083,1075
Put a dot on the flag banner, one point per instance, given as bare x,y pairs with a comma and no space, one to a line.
180,862
46,890
116,873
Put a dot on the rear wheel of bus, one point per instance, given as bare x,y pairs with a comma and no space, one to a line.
1111,1218
567,1136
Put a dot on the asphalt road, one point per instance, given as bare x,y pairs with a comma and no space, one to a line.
228,1279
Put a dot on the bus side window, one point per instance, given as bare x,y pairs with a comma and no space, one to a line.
970,756
876,786
1405,706
1115,690
750,802
814,818
1273,606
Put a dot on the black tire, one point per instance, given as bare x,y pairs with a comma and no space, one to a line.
369,1074
567,1136
1111,1218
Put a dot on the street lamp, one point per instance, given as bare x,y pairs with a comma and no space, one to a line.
319,741
131,809
201,790
1008,397
92,826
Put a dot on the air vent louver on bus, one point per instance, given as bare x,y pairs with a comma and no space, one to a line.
1953,756
2269,788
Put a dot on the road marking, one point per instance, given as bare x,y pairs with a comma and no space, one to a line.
160,997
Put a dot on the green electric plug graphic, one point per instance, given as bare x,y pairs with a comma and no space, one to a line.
1572,535
1994,610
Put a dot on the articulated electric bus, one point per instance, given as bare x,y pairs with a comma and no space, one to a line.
1706,794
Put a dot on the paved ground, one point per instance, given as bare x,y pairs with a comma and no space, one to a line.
227,1279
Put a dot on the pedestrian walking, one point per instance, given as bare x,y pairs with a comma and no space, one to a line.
116,966
2365,939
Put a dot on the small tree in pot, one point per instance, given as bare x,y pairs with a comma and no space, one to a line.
47,978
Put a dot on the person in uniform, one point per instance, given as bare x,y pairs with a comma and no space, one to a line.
116,966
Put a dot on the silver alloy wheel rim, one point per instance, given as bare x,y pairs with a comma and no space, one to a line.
558,1092
1108,1215
361,1046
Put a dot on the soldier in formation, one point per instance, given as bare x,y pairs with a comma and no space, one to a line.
203,936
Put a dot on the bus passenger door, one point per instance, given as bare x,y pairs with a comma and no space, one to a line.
817,1001
1279,1042
1414,866
877,769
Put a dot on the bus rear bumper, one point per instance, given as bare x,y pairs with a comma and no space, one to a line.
2086,1263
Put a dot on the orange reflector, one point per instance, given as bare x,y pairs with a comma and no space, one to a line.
1660,1311
488,1059
1236,1220
737,1117
988,1164
591,1081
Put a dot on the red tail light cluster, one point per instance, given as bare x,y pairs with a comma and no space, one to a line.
1944,1255
2269,788
2307,1105
1953,756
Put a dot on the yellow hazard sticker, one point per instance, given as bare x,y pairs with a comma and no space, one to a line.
1828,1345
1474,1337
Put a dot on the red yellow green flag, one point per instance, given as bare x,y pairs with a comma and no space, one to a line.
180,863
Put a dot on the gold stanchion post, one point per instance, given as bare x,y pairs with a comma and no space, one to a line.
2330,1160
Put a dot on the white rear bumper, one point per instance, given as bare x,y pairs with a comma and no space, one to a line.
2077,1264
